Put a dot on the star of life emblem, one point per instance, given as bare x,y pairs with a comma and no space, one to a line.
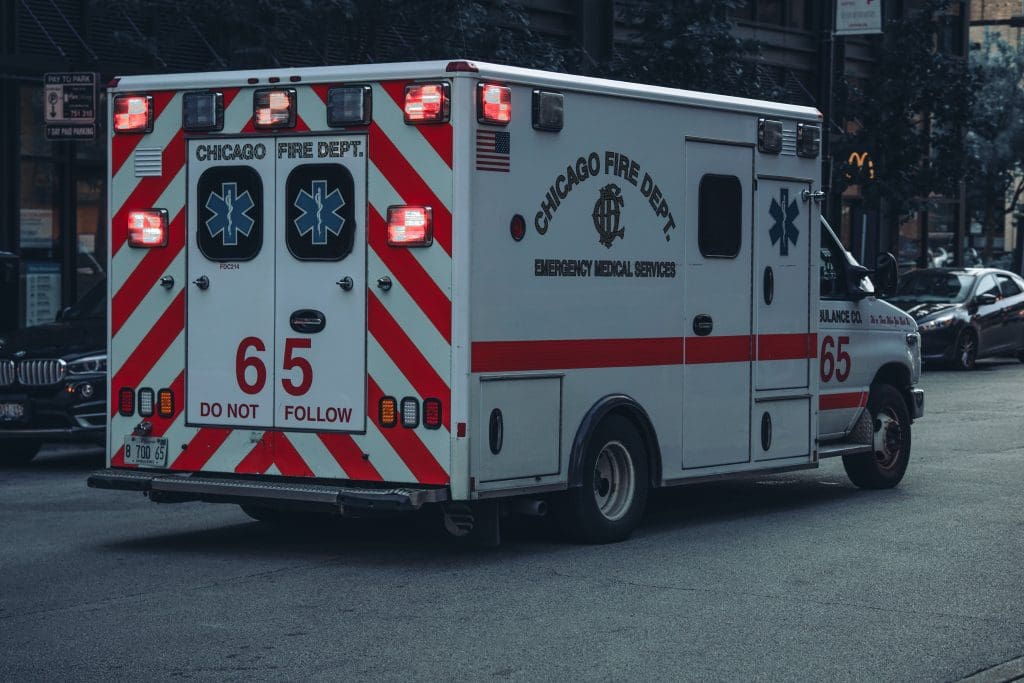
230,214
319,212
784,229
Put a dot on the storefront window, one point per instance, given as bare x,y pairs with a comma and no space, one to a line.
910,242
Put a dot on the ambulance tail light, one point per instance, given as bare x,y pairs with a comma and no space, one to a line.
410,226
126,401
387,411
147,228
493,104
274,108
146,402
133,114
432,413
427,102
410,412
165,403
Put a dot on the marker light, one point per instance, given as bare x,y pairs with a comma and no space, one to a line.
548,111
147,228
349,105
202,111
274,108
517,227
387,412
126,401
165,403
432,413
133,113
427,103
769,136
493,104
410,226
808,140
410,412
146,400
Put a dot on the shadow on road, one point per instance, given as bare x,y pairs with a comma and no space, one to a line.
63,458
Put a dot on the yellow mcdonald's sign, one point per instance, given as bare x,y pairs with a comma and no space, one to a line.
864,165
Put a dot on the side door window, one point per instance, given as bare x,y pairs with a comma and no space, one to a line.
988,285
1007,286
832,267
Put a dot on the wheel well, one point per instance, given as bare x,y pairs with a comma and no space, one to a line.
627,407
898,376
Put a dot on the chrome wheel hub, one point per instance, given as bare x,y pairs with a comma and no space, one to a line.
614,480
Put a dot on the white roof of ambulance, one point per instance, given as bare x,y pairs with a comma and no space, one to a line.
438,69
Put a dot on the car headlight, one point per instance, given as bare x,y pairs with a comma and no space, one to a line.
937,324
90,365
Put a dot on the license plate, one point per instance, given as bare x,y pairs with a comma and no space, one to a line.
145,451
12,411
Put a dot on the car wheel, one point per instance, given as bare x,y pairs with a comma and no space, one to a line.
609,504
19,451
966,351
885,466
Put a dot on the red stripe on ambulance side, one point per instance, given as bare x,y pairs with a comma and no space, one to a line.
404,354
564,354
148,352
148,191
408,184
406,444
855,399
787,346
200,449
439,136
434,303
723,349
146,274
347,454
122,146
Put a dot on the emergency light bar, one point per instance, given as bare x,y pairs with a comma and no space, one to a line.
769,136
133,114
147,228
808,140
349,105
427,102
493,104
548,111
274,108
410,226
202,111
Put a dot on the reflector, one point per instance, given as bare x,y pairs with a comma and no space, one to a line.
147,228
410,226
274,108
494,104
133,114
426,103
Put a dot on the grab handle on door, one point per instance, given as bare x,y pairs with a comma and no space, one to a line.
346,283
202,282
384,283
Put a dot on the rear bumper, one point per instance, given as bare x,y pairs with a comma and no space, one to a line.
344,499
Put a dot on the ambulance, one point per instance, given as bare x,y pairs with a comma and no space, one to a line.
487,290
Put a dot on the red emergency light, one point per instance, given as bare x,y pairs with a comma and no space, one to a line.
494,104
274,108
133,114
410,226
147,228
427,102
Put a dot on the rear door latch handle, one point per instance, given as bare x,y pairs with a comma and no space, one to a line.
202,282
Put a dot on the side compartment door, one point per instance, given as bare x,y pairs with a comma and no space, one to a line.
320,331
229,380
717,304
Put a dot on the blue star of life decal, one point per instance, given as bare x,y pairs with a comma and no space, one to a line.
784,230
319,212
230,214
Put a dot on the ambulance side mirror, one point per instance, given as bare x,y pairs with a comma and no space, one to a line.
885,276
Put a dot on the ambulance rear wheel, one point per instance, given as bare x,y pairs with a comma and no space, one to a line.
609,504
886,465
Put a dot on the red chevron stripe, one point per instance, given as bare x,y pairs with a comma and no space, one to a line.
153,346
345,451
404,354
408,183
122,146
146,274
260,458
274,449
438,136
200,449
410,449
434,303
148,191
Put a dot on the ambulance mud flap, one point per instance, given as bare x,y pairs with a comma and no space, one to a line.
625,405
177,488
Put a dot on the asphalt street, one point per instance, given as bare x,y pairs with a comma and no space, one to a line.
788,577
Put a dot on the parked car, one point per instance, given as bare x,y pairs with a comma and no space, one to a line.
53,380
965,313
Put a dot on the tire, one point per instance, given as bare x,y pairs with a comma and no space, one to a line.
19,451
290,518
965,353
610,503
885,467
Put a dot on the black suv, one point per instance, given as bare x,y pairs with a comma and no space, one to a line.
53,380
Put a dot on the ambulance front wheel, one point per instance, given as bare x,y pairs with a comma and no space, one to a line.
611,501
886,465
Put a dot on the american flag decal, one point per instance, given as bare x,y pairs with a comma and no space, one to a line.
493,151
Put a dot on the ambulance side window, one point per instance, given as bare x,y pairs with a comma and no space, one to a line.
719,216
832,267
